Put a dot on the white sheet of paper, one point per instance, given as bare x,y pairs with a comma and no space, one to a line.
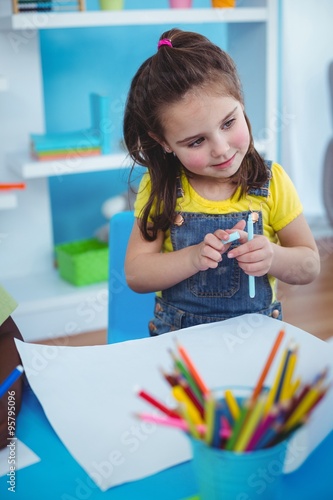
16,455
88,392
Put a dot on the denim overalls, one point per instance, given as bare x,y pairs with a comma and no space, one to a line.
215,294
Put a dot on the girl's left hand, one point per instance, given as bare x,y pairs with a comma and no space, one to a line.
254,257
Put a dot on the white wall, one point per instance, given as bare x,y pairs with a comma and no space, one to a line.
307,40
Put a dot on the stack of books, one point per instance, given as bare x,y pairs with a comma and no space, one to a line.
46,5
93,141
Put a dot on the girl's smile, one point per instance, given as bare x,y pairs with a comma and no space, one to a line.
208,133
225,164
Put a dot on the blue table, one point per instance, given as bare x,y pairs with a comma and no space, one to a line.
59,477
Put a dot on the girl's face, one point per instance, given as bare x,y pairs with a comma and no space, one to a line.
208,133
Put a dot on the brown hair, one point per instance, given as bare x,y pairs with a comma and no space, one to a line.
163,79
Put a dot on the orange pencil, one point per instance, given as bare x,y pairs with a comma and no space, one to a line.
267,366
193,371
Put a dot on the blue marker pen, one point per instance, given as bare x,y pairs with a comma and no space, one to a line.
232,237
252,289
9,381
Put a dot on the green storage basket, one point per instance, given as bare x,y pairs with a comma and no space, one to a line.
83,262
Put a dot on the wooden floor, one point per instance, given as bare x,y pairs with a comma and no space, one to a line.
309,307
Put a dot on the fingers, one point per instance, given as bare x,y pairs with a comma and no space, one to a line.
240,225
212,248
208,253
254,257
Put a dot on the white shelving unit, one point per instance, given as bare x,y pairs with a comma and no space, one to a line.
25,166
132,18
8,201
48,306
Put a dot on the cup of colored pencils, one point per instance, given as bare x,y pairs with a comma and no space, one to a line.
236,432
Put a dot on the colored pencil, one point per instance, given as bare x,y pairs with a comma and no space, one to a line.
232,404
230,444
269,436
157,404
192,369
268,364
290,350
293,387
302,408
262,428
294,402
186,374
192,426
219,431
180,395
210,405
187,389
178,423
250,425
11,379
287,387
271,398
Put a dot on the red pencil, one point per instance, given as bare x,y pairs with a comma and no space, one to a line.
150,399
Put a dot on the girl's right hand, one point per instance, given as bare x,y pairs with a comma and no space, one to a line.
208,254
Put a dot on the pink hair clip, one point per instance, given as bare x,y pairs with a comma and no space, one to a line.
164,41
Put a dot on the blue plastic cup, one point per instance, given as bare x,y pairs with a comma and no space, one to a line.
229,475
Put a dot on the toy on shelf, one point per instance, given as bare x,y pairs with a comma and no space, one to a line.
119,203
25,6
88,142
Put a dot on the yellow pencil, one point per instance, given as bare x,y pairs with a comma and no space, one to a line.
193,429
210,405
232,404
304,406
293,388
180,395
250,425
288,376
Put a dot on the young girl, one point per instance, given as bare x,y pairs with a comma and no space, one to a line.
185,121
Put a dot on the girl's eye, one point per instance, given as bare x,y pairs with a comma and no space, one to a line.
196,143
228,124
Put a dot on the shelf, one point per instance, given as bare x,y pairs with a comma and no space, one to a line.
28,168
46,291
52,20
81,308
7,201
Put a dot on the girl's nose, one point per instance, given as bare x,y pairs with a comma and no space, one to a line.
220,147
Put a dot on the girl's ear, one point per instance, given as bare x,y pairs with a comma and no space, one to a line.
162,143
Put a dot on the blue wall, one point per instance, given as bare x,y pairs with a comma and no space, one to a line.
76,62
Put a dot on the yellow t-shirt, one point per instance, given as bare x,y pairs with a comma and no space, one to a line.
279,208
